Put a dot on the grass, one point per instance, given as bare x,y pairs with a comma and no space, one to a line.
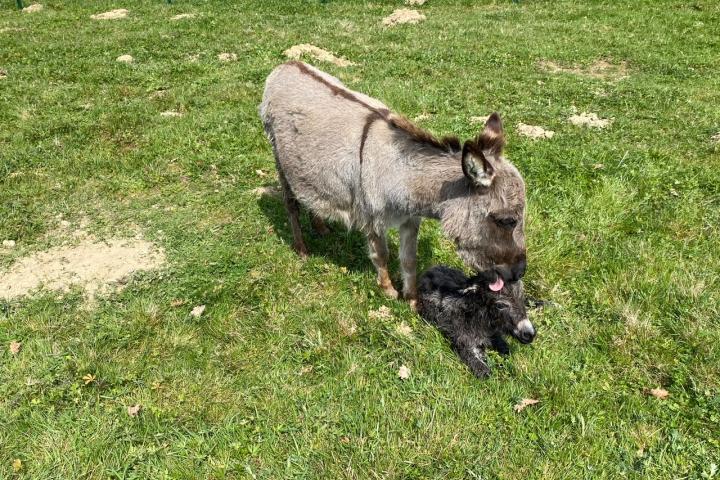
272,382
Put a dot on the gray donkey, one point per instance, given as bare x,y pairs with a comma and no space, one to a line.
347,157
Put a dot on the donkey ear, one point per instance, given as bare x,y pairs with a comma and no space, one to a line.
493,137
475,166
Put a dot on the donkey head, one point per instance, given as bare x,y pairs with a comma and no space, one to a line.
484,211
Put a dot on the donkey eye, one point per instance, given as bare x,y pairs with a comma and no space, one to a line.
508,223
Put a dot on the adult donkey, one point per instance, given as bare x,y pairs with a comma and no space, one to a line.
347,157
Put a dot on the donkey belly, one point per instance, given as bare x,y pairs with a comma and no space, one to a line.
317,127
327,195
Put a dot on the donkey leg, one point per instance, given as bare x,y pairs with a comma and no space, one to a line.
293,209
379,256
319,225
474,357
408,259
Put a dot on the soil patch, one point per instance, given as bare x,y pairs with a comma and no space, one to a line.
415,2
35,7
227,57
125,59
111,15
298,51
715,138
3,74
171,113
533,131
95,266
589,120
600,69
403,15
183,16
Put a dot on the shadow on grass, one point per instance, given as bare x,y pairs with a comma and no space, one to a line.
344,248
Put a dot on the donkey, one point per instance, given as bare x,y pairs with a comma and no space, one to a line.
347,157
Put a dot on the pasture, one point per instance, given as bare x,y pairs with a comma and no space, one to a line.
292,368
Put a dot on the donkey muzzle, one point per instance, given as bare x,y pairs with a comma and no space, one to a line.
524,331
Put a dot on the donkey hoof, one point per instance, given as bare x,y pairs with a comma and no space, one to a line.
302,251
413,304
390,292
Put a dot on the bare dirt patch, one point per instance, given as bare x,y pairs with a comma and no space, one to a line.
125,59
95,266
111,15
171,114
35,7
590,120
415,2
296,52
3,74
600,69
182,16
715,138
227,57
533,131
401,16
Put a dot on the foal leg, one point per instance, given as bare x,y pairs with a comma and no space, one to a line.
408,259
379,256
293,209
498,343
474,357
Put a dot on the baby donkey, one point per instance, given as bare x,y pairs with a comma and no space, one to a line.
472,315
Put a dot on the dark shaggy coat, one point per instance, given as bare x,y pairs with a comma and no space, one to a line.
472,316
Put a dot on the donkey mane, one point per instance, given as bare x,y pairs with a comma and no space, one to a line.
448,143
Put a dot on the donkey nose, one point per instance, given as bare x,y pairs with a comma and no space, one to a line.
525,331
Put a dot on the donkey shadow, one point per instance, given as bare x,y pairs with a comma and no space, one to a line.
343,247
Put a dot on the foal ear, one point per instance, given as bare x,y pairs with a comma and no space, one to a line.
475,166
493,137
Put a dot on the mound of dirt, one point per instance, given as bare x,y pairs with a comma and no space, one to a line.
589,120
403,15
296,52
92,265
125,59
35,7
111,15
227,57
182,16
533,131
601,69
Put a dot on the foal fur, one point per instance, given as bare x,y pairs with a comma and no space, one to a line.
471,316
347,157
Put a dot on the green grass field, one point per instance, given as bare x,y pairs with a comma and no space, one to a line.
285,375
